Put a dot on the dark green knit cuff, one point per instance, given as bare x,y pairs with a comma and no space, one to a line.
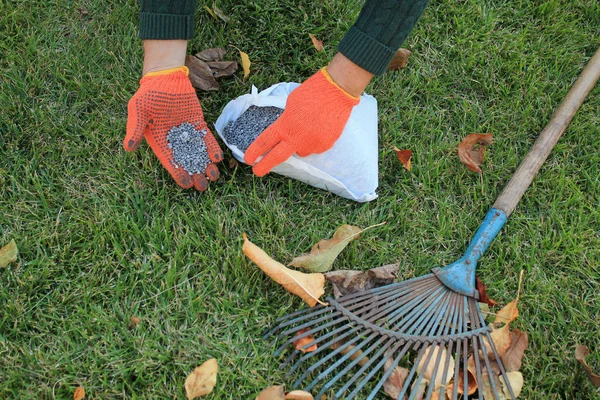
166,26
365,51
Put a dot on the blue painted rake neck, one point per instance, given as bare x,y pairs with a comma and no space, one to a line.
460,275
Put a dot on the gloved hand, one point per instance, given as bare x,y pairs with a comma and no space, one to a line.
313,120
167,99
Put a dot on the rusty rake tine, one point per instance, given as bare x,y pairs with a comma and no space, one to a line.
364,368
440,347
462,326
340,317
416,316
307,333
415,306
456,372
448,323
501,366
330,356
392,286
312,312
477,363
324,346
387,374
411,374
347,368
488,367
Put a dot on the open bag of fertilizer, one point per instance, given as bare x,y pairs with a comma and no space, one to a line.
349,169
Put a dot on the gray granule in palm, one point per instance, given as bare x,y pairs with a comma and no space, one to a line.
189,149
243,131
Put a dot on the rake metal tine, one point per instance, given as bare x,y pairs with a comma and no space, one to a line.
417,315
428,324
423,367
488,367
502,370
392,286
415,306
348,367
319,309
330,356
477,363
456,371
340,361
307,333
390,370
412,372
440,347
323,347
448,324
463,328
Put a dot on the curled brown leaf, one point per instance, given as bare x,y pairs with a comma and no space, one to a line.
201,75
399,60
316,42
300,344
471,150
404,156
581,353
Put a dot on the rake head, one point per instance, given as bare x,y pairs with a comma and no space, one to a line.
433,331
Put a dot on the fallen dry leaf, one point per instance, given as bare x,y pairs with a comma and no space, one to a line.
316,42
324,253
233,163
471,381
220,14
429,369
346,281
79,393
471,150
404,157
134,320
515,378
222,68
299,395
399,60
394,383
8,254
508,314
300,343
358,354
485,385
201,75
202,380
271,393
581,353
513,356
483,296
309,287
212,54
501,339
245,63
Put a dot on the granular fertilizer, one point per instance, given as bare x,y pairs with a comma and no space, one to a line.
189,149
243,131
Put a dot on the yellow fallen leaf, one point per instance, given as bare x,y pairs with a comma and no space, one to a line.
309,287
271,393
428,370
324,253
79,393
502,341
515,378
8,254
245,63
510,311
316,42
299,395
202,380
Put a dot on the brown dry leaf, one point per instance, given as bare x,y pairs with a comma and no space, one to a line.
201,75
404,157
222,68
300,343
471,381
513,356
271,393
483,296
471,150
8,254
501,339
316,42
220,14
581,353
245,63
399,60
356,355
212,54
309,287
508,314
79,393
134,320
485,386
211,12
428,370
324,253
202,380
394,383
299,395
346,281
233,163
515,378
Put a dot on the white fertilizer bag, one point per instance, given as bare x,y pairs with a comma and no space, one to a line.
349,169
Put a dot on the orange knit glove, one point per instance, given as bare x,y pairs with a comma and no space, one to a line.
314,118
165,100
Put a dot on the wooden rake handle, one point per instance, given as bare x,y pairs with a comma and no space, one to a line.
516,187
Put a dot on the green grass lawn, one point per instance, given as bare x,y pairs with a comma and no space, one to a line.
105,235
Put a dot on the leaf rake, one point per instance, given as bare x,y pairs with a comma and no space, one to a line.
433,320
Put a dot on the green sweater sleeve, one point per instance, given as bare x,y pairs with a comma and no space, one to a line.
167,19
379,31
